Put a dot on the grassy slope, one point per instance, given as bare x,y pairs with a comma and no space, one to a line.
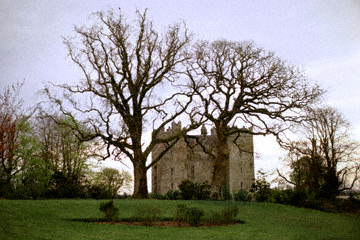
46,219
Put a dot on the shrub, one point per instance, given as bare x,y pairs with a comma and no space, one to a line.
173,195
225,193
63,185
110,211
180,215
295,197
243,196
192,216
225,216
277,196
215,196
261,190
147,215
187,189
349,205
194,190
99,192
157,196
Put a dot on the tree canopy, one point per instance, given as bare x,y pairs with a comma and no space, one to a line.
239,84
130,77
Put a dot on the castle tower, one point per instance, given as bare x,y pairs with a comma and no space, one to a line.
187,160
241,169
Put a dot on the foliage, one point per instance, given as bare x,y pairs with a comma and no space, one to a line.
111,212
225,193
51,161
169,195
277,196
187,189
191,215
63,154
308,174
305,200
147,214
157,196
32,181
13,127
194,190
99,192
324,161
173,195
295,197
243,196
107,183
180,215
194,216
224,217
261,188
334,205
64,185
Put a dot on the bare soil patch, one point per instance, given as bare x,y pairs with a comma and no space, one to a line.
166,224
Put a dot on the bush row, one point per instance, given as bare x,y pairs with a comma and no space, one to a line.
194,216
189,190
262,193
85,191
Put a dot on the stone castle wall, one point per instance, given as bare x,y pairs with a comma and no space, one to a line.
187,160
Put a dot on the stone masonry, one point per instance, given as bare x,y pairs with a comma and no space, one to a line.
187,160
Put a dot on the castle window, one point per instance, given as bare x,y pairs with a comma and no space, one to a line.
241,184
192,171
172,186
172,172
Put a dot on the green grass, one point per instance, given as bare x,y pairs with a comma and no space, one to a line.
47,219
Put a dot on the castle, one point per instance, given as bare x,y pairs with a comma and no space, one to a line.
187,160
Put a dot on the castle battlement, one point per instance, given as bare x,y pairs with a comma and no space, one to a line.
175,127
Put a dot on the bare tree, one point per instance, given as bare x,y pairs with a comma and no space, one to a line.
239,83
129,79
332,159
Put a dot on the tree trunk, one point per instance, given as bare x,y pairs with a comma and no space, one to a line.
139,162
220,177
140,180
140,177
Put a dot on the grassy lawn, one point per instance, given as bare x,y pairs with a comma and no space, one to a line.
47,219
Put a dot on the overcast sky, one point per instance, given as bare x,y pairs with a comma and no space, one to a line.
322,36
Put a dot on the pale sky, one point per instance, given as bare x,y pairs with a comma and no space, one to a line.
321,36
